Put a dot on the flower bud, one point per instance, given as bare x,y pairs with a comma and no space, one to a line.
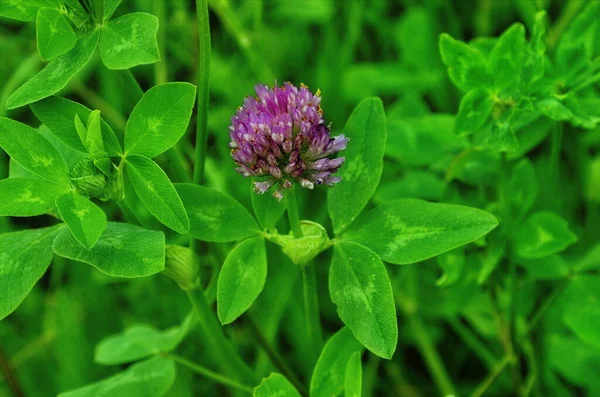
182,266
87,179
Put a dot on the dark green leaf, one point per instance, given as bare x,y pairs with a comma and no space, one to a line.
543,234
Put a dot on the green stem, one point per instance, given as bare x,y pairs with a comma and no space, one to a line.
431,356
309,281
535,319
203,90
275,358
212,335
474,344
161,72
214,376
491,377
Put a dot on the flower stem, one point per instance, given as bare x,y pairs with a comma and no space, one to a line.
216,377
203,90
309,281
223,352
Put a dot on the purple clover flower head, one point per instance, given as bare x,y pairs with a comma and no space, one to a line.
281,136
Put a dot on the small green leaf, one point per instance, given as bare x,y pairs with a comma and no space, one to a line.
554,109
215,216
275,385
329,374
542,234
466,66
475,109
32,151
533,69
22,10
156,191
407,231
523,189
353,377
242,279
24,258
28,196
268,211
302,250
110,7
123,250
85,219
129,41
552,267
59,115
150,378
362,292
507,57
135,343
54,34
361,172
159,119
56,75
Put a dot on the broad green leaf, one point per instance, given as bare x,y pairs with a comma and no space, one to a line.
475,109
150,378
542,234
156,191
59,114
123,250
302,250
129,41
22,10
422,140
135,343
353,377
329,373
581,313
523,189
215,216
407,231
275,385
361,289
466,66
159,119
56,75
552,267
54,34
241,279
533,69
268,211
506,59
110,7
85,219
24,258
361,172
28,196
32,151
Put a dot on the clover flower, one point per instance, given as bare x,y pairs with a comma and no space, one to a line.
281,136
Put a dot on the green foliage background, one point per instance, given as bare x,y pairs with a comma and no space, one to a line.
507,123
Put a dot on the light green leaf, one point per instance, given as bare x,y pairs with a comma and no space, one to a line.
24,258
302,250
542,234
22,10
156,191
28,196
242,279
533,69
523,189
407,231
56,75
150,378
475,109
85,219
123,250
135,343
361,289
275,385
466,66
507,57
58,114
32,151
159,119
361,172
110,7
268,211
554,109
54,34
129,41
215,216
353,378
329,373
581,301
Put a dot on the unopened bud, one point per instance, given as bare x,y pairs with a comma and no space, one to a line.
182,266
